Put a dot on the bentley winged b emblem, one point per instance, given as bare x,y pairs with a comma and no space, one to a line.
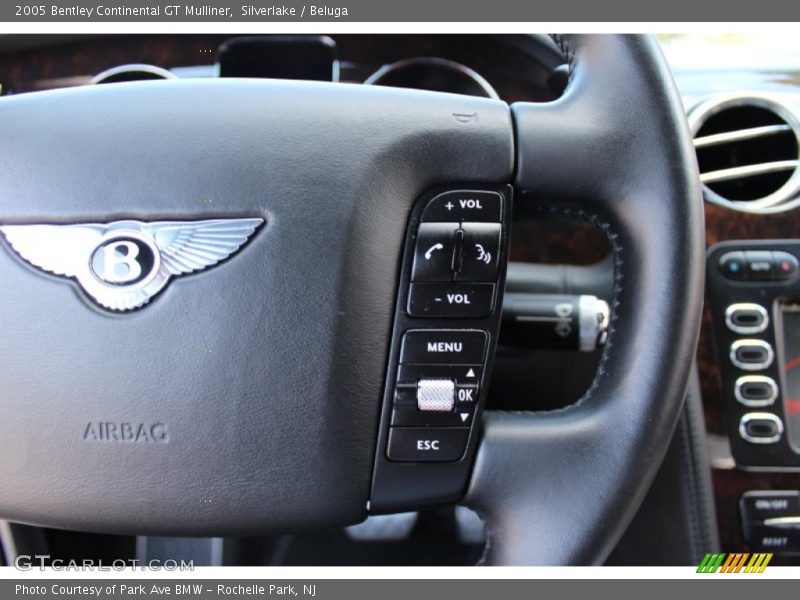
121,265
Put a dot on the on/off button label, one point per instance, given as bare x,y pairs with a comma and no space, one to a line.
443,346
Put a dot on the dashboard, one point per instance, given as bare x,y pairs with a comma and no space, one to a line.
513,67
746,124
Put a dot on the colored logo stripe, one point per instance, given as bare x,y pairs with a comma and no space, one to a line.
758,563
734,563
711,563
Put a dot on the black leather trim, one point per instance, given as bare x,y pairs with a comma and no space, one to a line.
267,371
561,487
676,524
697,468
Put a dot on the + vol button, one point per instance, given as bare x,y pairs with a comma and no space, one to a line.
465,205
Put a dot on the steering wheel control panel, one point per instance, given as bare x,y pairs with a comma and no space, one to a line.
754,289
445,332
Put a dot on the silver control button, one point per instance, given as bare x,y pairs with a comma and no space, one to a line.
755,390
746,318
760,428
436,395
751,355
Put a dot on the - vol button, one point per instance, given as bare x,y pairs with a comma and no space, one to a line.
471,300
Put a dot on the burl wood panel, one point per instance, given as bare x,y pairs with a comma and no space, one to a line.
557,241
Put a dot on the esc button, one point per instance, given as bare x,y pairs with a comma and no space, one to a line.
427,444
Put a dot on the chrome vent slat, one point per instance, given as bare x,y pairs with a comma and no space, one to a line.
739,135
749,171
748,151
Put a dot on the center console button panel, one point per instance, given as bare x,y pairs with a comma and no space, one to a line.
445,332
751,285
757,265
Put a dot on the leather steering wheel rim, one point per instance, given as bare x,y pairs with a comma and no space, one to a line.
560,487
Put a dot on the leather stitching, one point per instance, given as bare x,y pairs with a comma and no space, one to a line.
617,254
563,44
704,534
688,475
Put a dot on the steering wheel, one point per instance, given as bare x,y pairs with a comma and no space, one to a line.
147,389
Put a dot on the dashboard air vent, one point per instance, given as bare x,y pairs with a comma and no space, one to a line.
747,152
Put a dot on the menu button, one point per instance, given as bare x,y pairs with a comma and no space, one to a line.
443,346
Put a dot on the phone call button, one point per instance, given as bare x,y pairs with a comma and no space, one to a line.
434,252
